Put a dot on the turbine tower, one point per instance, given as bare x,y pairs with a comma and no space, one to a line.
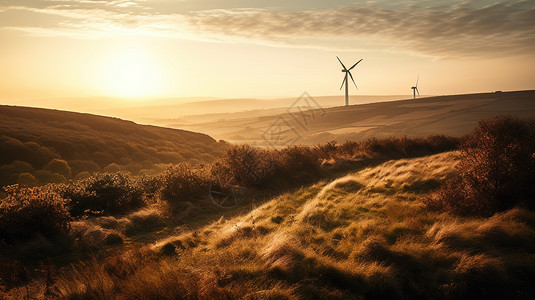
347,71
415,89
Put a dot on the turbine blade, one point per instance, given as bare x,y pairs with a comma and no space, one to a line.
355,65
418,91
353,80
418,79
345,77
341,63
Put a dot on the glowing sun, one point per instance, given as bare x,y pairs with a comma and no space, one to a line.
131,74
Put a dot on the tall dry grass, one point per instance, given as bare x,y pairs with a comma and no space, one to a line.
367,235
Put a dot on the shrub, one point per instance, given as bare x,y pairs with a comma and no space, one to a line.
59,166
112,168
182,182
295,165
26,212
243,165
108,193
150,185
300,158
9,173
27,180
404,147
497,162
83,175
329,149
497,169
45,176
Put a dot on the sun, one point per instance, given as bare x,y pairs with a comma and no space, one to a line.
131,74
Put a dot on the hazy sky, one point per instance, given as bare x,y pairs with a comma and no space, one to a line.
255,48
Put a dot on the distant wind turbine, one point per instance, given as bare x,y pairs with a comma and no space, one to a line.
347,71
415,88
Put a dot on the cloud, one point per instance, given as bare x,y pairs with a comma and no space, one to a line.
93,19
502,28
461,30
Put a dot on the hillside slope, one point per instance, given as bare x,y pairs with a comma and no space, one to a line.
31,137
454,115
365,235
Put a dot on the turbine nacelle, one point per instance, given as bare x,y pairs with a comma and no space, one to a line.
415,88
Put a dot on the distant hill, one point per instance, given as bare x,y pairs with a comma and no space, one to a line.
159,112
454,115
43,142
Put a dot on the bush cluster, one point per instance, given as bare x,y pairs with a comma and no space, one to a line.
182,182
47,210
248,166
25,212
107,193
497,169
392,148
245,165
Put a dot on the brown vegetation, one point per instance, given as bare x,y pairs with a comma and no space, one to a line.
361,236
497,169
27,212
183,187
54,146
347,221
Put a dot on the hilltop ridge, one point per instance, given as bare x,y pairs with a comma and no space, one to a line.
452,115
31,138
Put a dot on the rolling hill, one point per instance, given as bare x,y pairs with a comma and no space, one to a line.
309,123
380,219
31,138
159,112
364,235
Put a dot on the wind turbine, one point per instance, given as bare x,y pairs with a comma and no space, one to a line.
415,88
348,71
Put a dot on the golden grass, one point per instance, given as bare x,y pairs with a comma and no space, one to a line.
365,235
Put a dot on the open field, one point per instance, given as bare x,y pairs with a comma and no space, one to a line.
453,115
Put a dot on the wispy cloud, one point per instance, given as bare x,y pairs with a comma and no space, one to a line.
502,28
458,30
92,19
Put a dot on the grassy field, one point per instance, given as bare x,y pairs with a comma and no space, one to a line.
361,220
366,234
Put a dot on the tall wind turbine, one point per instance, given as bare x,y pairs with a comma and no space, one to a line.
415,88
347,71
